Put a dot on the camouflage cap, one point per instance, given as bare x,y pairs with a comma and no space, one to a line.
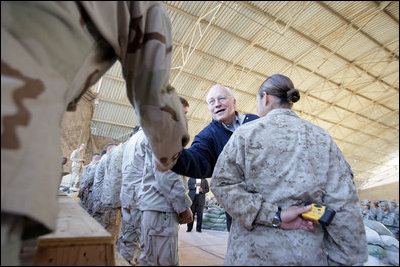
393,200
365,202
376,201
384,203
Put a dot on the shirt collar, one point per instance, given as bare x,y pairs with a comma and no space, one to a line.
236,123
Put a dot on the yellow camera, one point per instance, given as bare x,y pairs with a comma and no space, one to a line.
319,214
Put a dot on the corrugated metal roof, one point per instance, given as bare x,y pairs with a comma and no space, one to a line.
342,56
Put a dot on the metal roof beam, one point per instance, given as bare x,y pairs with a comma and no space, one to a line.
314,42
312,96
290,61
325,6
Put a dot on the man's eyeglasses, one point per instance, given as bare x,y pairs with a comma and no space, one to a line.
221,99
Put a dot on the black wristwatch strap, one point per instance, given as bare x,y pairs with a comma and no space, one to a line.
278,214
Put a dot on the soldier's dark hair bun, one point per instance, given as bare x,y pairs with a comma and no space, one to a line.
293,95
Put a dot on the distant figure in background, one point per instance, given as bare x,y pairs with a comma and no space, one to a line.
375,209
77,158
394,207
366,212
388,218
197,193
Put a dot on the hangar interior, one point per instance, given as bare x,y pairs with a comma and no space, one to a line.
343,57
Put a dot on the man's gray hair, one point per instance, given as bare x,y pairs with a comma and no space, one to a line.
220,86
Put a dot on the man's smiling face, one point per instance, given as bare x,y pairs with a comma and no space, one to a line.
221,105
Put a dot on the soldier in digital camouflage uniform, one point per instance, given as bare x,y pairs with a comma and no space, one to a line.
97,188
394,207
365,210
90,181
283,161
110,195
87,179
388,218
51,53
375,209
128,243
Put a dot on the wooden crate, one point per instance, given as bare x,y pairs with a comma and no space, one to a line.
78,240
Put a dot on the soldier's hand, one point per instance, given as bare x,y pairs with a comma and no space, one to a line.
186,216
291,219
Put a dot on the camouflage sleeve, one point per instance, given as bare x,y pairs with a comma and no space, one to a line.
99,176
84,176
139,157
171,186
146,67
345,237
75,156
90,177
140,34
229,187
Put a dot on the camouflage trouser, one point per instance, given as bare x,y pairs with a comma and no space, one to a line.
89,202
11,232
128,242
159,238
112,222
98,210
75,177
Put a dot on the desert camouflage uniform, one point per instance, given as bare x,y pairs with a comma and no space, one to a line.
282,160
110,196
128,243
162,197
51,53
76,167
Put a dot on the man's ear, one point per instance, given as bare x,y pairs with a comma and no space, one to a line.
265,98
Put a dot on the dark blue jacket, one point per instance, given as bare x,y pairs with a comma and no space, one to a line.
199,160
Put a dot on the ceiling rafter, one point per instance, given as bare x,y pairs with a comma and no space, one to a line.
328,8
378,5
308,94
269,16
281,57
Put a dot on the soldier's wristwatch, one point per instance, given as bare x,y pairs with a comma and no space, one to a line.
276,221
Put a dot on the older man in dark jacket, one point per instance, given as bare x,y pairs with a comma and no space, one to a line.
199,160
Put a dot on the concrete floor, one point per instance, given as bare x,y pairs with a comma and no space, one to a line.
207,248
